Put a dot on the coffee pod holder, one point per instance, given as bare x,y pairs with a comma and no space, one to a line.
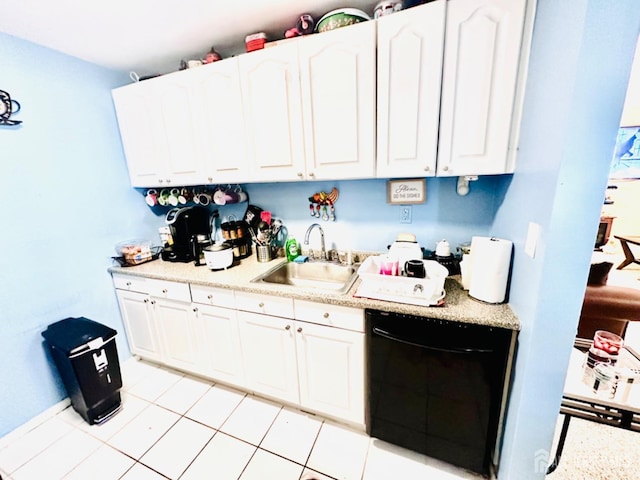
428,291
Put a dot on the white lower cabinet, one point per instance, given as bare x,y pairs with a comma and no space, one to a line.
299,352
139,324
269,355
219,344
176,323
331,370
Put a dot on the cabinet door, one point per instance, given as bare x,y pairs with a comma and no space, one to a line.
176,101
221,130
271,98
331,366
338,78
139,122
269,354
176,325
139,325
219,343
410,49
482,51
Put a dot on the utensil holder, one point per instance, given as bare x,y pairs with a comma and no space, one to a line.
264,253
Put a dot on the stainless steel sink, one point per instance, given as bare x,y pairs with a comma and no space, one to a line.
329,277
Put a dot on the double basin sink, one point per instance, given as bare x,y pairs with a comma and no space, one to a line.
326,276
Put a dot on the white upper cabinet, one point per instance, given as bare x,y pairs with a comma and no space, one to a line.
138,117
337,76
273,114
482,54
218,106
410,49
158,130
432,90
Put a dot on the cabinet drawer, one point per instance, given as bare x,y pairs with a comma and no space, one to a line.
218,297
331,315
130,283
169,290
261,303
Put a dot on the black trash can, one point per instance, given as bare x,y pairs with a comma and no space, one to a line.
86,356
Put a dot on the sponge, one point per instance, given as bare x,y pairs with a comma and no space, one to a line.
301,259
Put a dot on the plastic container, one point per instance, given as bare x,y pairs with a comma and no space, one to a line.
255,41
135,251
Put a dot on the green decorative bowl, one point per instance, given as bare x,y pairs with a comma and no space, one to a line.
342,17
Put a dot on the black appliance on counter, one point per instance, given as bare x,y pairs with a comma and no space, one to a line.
437,386
185,223
86,357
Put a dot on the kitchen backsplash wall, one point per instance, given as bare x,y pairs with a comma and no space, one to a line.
364,219
66,201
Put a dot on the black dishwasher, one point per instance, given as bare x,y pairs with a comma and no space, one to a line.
436,386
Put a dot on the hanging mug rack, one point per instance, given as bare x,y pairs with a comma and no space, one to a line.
181,196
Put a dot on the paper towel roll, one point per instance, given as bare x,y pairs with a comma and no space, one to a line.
491,259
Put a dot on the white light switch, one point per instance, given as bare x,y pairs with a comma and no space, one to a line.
533,235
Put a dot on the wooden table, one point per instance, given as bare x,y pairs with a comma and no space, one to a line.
629,257
578,399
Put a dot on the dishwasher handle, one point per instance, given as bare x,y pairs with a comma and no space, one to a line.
450,349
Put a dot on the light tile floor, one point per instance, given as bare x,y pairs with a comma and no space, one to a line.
179,427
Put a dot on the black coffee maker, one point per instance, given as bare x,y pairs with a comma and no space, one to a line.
185,223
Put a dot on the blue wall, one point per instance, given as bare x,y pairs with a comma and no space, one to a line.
364,220
571,115
66,202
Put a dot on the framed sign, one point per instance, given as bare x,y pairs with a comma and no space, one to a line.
403,192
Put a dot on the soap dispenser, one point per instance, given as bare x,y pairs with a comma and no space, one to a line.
292,248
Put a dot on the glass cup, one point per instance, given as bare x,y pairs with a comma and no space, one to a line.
609,343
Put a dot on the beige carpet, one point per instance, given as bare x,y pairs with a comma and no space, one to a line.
598,452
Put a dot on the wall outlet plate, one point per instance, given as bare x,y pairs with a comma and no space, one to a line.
405,214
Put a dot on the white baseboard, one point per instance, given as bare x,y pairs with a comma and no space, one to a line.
34,422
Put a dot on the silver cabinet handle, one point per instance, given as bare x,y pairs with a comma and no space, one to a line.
210,179
326,315
128,284
300,174
195,309
160,180
426,169
445,168
261,304
164,290
153,302
209,296
311,174
299,329
168,180
146,300
288,327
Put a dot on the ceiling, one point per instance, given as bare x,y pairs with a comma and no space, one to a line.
152,36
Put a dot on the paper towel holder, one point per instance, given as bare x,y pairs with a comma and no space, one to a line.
463,184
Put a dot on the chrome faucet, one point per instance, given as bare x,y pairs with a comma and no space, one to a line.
323,251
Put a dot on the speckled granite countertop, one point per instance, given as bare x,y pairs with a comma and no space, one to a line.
458,306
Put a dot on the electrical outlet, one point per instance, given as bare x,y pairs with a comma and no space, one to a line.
405,214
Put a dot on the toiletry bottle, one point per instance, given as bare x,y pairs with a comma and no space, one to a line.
291,248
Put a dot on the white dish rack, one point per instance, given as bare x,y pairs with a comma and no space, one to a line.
426,291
